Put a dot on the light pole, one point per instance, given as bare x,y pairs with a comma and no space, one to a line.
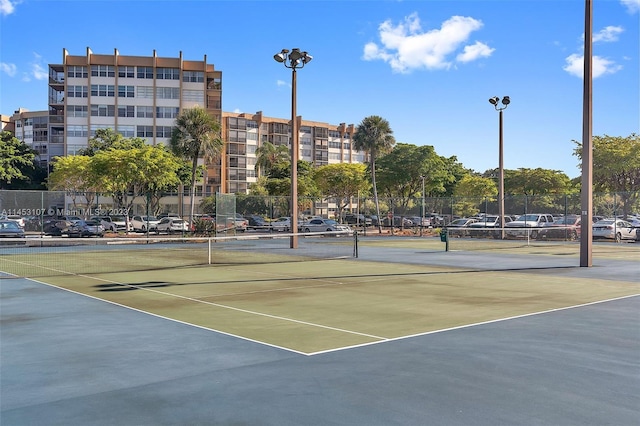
505,102
293,60
586,182
422,219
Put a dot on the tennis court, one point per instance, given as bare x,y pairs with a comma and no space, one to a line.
444,313
312,299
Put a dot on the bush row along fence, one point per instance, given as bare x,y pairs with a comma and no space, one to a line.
61,203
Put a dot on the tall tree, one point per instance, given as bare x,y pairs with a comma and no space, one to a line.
616,166
401,172
343,181
15,158
375,137
134,171
73,174
107,138
469,189
196,135
269,155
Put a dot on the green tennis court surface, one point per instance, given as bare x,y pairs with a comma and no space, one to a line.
303,303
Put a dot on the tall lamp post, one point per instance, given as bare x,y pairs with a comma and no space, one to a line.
505,102
423,212
293,60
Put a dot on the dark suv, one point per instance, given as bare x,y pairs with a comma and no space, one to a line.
357,219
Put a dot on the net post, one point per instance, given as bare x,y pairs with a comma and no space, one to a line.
355,244
209,251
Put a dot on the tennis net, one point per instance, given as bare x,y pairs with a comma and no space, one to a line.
41,257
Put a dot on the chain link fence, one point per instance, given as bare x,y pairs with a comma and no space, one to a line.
408,212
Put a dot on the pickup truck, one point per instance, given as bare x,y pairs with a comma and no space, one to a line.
528,225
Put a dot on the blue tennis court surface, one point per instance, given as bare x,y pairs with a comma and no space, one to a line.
69,359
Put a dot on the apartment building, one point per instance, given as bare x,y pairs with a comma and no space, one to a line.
320,143
32,127
140,96
134,95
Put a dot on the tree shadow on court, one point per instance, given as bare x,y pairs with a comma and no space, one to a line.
110,287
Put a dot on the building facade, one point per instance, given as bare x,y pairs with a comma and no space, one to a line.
320,143
141,96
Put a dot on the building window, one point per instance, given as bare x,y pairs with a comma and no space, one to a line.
163,131
167,112
77,131
103,110
168,74
102,90
347,145
334,134
96,127
145,112
126,92
333,144
127,131
78,92
126,111
102,71
144,131
168,92
252,124
193,77
145,72
193,96
77,71
77,110
145,92
126,71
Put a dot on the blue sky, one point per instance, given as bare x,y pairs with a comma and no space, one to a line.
428,67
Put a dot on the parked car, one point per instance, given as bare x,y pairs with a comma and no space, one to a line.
72,219
459,227
326,225
85,228
487,226
528,225
566,228
614,229
240,223
106,222
418,221
281,224
357,219
172,225
144,223
18,219
10,229
122,224
256,222
398,221
54,225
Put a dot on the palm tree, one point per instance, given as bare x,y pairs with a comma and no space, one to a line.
196,135
374,136
268,155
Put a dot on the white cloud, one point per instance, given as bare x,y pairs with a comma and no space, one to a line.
474,51
7,7
9,69
38,70
407,47
600,66
632,6
608,34
281,83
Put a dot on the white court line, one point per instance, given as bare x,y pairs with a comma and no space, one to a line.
474,324
380,339
219,305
